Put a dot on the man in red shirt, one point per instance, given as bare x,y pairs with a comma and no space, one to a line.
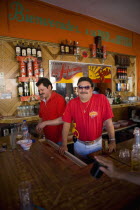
52,107
88,112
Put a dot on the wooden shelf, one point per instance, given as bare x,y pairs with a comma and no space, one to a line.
121,128
14,119
27,79
30,98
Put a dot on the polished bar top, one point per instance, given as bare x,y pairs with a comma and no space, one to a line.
58,183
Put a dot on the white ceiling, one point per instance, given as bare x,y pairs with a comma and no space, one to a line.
123,13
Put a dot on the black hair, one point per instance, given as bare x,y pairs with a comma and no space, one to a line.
87,79
97,89
45,81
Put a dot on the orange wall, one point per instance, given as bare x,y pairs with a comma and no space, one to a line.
21,19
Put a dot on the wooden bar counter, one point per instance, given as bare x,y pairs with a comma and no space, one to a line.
59,183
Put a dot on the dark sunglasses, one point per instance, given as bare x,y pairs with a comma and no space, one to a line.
82,87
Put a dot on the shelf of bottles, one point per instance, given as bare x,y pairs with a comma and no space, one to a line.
72,48
69,48
29,57
122,62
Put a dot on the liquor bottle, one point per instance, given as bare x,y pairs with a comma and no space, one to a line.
98,42
126,73
32,91
23,49
36,89
20,89
26,89
62,48
28,49
71,48
41,71
76,48
122,73
22,68
104,52
18,49
128,87
93,50
121,60
67,98
38,52
118,87
98,52
36,68
29,67
33,50
67,48
71,97
118,72
121,69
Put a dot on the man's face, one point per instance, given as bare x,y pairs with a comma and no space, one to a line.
44,92
85,91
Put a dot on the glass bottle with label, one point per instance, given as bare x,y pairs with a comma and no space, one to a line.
62,47
23,49
29,67
71,97
76,48
71,48
41,71
67,98
67,48
33,50
20,89
93,50
26,89
28,49
18,49
32,91
38,52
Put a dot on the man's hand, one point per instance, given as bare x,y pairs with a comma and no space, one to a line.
62,149
112,146
110,169
40,126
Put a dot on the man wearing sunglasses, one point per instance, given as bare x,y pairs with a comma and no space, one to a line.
88,112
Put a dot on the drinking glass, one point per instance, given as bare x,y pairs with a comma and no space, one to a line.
25,196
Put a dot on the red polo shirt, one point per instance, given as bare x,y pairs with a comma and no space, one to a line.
50,110
88,117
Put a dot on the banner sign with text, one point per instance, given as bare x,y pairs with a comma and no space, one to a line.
70,72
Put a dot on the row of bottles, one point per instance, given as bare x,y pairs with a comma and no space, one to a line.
27,88
28,49
67,98
122,60
122,86
27,110
97,50
122,73
29,68
69,47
